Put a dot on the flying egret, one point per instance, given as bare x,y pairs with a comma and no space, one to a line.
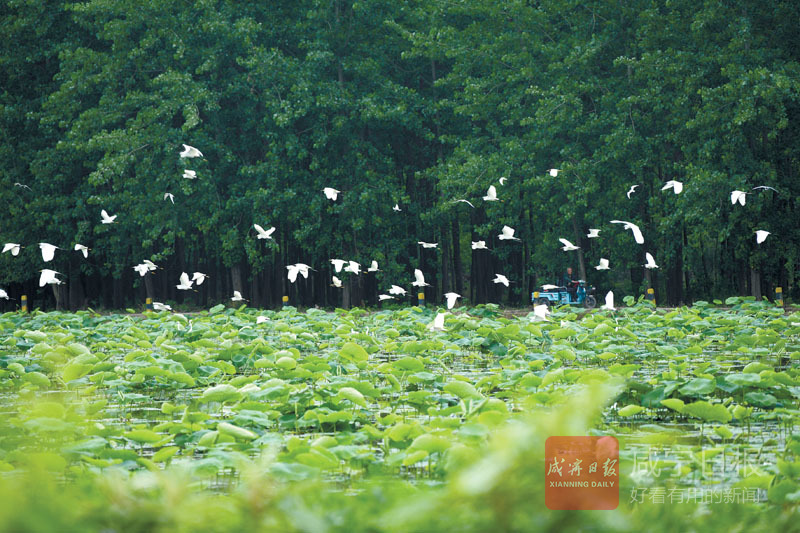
501,279
158,306
142,269
331,193
675,185
353,267
438,322
465,202
382,297
48,251
479,245
549,287
637,233
237,297
338,264
632,190
185,283
262,233
451,299
199,277
83,249
49,276
609,301
651,263
150,265
765,187
568,246
502,180
399,291
761,235
491,194
508,234
190,174
298,268
191,151
603,264
14,247
336,282
17,184
419,279
554,172
396,208
373,267
540,312
170,196
738,196
593,233
428,244
261,319
106,219
3,294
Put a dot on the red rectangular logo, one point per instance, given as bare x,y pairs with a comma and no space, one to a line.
581,473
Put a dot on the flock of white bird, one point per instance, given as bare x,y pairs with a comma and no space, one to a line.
507,234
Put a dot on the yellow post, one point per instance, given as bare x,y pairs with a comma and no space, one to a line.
421,298
651,296
24,303
148,304
285,300
779,296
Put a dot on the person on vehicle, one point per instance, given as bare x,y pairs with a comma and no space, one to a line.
568,282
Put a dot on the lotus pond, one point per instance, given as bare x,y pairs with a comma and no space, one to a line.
372,421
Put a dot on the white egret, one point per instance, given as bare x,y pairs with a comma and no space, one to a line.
261,319
237,297
419,279
17,184
675,185
382,297
568,246
540,312
764,187
593,233
336,282
48,251
338,264
373,267
451,299
428,244
631,191
191,151
637,233
438,322
549,287
150,265
502,180
3,294
298,268
14,247
170,196
465,202
190,174
49,276
554,172
142,269
199,277
396,208
761,235
609,301
158,306
479,245
491,194
651,263
83,249
399,291
738,196
499,278
508,234
106,218
331,193
262,233
603,264
353,267
185,283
